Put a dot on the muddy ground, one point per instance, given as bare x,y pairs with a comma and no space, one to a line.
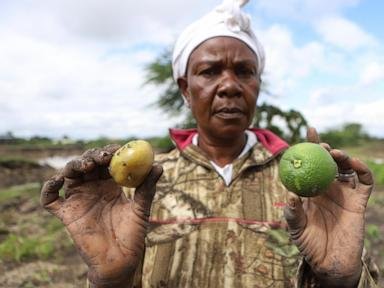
41,254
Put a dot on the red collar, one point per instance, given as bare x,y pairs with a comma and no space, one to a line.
273,143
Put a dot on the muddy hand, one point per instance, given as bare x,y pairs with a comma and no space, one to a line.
329,229
107,228
78,176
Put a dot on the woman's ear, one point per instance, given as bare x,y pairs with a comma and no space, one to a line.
183,86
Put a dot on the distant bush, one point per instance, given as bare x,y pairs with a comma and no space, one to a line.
158,143
350,134
161,143
103,141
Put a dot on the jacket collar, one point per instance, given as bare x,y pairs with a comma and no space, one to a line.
268,148
271,142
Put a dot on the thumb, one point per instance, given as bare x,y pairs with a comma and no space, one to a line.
295,216
145,192
49,197
312,135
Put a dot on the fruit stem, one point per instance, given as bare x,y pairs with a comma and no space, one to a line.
296,163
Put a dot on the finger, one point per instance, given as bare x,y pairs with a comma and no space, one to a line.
111,148
145,192
363,172
78,167
343,161
295,216
49,197
101,156
326,146
312,135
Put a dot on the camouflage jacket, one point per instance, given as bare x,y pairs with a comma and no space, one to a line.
206,234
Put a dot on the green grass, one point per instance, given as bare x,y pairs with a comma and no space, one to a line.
377,170
29,189
372,153
28,244
53,225
373,238
18,248
36,235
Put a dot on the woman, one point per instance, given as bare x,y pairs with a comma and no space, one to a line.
217,218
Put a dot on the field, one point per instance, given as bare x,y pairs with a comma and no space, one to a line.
35,250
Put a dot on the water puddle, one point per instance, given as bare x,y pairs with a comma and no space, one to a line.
57,162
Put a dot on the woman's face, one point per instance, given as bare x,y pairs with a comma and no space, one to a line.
222,86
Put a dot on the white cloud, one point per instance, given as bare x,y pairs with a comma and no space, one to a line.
328,86
76,68
369,114
101,20
371,73
343,33
336,104
287,63
308,10
51,90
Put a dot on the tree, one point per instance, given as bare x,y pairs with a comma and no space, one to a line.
286,124
159,72
349,134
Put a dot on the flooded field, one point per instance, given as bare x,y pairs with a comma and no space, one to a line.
56,161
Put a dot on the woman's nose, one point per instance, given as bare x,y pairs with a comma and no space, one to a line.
229,85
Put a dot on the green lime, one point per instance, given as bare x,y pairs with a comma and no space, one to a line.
307,169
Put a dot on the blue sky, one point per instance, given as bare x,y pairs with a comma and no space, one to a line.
76,67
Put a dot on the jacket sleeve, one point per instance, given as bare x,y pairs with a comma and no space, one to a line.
368,279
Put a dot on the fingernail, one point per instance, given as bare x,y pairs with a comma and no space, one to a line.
292,203
57,178
87,164
103,154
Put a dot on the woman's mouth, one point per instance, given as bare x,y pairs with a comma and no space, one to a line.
229,113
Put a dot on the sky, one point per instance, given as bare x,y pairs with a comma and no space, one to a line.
77,68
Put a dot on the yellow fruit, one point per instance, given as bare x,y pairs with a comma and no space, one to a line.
307,169
131,163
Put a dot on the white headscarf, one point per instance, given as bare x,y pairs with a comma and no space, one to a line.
226,19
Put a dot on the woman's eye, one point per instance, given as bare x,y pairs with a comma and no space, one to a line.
209,71
245,72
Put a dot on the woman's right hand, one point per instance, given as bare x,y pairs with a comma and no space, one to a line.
107,228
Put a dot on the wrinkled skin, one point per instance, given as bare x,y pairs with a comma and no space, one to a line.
221,88
329,229
108,229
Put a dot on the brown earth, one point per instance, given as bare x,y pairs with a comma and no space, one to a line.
23,216
23,172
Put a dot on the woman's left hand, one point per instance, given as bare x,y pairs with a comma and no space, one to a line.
329,229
